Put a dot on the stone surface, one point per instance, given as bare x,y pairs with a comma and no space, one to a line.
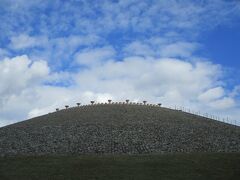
118,129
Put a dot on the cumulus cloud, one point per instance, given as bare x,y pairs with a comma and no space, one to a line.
19,72
158,78
166,80
17,76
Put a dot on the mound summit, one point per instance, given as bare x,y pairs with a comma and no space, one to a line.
118,129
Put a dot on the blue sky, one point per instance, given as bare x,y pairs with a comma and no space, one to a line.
222,44
183,53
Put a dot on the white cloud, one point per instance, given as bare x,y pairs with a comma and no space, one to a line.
73,41
55,50
150,77
19,72
224,103
24,41
211,94
105,17
216,99
17,76
91,57
178,49
164,46
138,48
169,81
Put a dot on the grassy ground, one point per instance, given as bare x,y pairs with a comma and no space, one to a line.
171,166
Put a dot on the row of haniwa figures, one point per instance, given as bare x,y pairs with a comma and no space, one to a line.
110,102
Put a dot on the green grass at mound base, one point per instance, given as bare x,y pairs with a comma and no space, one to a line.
168,166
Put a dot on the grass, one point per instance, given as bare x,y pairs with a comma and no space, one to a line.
169,166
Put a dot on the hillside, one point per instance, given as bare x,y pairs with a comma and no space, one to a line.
118,129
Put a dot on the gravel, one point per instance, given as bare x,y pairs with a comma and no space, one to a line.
118,129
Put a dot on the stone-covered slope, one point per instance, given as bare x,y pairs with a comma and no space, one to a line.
118,129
